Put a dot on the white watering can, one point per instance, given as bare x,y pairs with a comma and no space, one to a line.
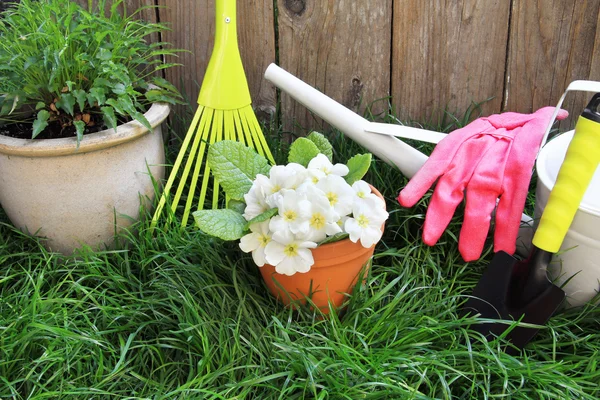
381,140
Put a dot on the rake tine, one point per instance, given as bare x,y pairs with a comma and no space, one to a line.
199,158
256,132
186,141
238,128
219,121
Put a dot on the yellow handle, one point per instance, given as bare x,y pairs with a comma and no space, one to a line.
576,172
224,86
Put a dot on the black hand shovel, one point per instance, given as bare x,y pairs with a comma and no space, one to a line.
520,290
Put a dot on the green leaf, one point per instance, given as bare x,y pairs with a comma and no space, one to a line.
79,128
235,166
322,143
358,166
29,61
165,84
225,224
98,82
40,123
40,105
10,103
126,105
115,104
334,238
262,217
237,205
104,54
66,102
109,117
158,96
139,117
81,97
97,95
302,151
119,88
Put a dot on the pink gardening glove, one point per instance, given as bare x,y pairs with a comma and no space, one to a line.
490,158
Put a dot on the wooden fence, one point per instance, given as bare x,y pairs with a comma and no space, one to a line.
424,55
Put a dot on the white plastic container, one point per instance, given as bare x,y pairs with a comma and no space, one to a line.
577,266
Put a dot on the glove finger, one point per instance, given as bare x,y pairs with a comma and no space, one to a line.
513,120
514,193
449,191
508,217
517,177
483,190
439,162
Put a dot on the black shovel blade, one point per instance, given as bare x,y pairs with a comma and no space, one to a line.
498,296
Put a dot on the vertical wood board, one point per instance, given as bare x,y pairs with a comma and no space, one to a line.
341,47
448,54
551,44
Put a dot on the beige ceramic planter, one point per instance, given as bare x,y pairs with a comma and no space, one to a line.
74,196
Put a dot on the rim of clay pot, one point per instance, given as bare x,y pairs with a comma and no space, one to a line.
129,131
344,250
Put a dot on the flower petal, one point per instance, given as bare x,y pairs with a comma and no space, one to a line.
304,260
340,170
353,229
258,256
274,253
249,242
286,267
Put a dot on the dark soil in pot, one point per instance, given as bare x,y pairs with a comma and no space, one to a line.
58,130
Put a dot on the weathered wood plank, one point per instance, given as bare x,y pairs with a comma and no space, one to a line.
192,24
448,54
341,47
551,44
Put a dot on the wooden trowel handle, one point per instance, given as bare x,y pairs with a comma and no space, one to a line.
574,176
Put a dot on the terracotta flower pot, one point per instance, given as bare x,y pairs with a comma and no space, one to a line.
333,275
73,196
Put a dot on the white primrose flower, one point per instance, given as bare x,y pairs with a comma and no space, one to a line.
256,202
364,194
288,176
294,210
322,219
365,224
289,254
322,163
338,192
256,242
315,175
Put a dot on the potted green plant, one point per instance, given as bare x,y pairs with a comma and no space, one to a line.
81,107
310,225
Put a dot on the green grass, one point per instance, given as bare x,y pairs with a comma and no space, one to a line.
179,315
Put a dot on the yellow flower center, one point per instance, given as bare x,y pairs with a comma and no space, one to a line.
275,189
264,240
333,198
361,194
317,221
362,221
291,250
290,216
315,180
